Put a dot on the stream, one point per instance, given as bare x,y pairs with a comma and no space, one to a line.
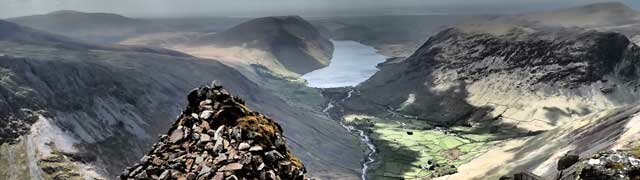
352,63
363,137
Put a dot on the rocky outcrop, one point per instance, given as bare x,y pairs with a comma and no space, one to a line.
614,165
218,137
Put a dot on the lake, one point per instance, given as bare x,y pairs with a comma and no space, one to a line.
352,63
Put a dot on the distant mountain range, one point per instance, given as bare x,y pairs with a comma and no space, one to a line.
112,28
593,15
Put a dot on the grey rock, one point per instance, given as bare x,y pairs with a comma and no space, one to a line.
255,148
177,135
273,156
243,146
231,167
205,170
206,114
567,161
164,175
205,138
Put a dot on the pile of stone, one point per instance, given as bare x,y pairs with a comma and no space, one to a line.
612,165
218,137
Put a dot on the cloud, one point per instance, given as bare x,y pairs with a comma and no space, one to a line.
166,8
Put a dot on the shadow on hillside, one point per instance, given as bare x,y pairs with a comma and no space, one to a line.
392,160
599,135
554,114
443,108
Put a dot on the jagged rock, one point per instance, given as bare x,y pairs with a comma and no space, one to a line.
236,151
610,165
273,156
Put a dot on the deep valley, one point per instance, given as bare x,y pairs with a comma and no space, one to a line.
534,95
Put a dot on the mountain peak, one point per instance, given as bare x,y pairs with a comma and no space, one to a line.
617,9
80,13
65,12
294,42
607,5
218,137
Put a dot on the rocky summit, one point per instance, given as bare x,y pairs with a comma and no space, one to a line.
218,137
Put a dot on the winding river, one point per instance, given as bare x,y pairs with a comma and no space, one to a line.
352,63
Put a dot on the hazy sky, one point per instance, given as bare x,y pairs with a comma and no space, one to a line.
170,8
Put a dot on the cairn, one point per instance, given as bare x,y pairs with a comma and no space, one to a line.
218,137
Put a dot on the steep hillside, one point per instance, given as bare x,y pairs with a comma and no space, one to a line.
469,89
282,44
293,41
614,129
521,77
82,105
393,35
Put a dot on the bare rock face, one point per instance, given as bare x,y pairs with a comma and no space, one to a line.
218,137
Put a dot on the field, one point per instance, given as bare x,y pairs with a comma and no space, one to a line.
412,149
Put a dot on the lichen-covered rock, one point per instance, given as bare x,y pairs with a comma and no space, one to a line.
610,165
218,137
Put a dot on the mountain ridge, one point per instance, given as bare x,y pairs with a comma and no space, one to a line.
587,16
538,63
293,41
